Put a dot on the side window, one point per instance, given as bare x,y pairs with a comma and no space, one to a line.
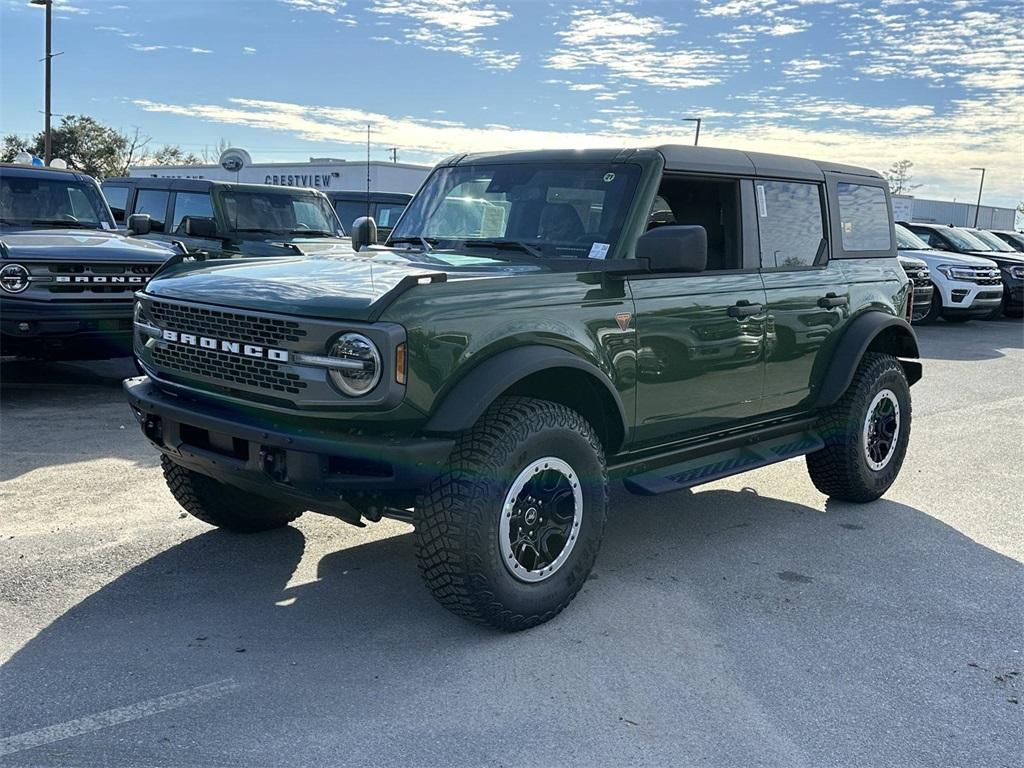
195,204
117,199
714,205
388,213
864,217
790,220
348,211
153,202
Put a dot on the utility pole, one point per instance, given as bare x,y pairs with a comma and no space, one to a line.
980,187
47,142
696,135
394,154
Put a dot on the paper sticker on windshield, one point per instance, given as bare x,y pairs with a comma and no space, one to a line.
608,177
598,251
105,224
762,205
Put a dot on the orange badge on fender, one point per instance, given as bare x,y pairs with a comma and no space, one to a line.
623,319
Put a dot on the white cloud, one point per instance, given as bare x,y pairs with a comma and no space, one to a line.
452,26
140,47
317,6
634,48
117,31
248,50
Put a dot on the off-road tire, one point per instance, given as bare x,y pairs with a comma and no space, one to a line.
841,468
222,506
457,518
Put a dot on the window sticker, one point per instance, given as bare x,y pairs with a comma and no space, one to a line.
598,251
105,224
609,177
762,205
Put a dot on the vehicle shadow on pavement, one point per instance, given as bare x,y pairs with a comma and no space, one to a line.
973,340
60,413
721,627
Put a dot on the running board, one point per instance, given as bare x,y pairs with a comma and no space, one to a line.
715,466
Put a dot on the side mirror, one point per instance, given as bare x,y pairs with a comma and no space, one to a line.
139,224
674,248
364,233
199,226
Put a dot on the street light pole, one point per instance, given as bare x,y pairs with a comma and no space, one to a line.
47,142
981,186
696,135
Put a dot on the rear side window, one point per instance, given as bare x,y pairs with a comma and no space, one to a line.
196,204
349,211
388,213
791,224
153,202
117,199
863,217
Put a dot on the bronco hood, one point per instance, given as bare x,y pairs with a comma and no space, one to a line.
352,287
80,245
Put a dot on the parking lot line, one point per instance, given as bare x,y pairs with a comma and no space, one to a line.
37,738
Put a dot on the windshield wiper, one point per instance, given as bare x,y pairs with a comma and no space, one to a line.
506,244
64,224
311,232
253,230
425,243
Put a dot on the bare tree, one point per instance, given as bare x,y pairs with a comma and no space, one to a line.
134,150
900,177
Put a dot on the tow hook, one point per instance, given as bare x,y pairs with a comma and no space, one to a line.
153,428
274,463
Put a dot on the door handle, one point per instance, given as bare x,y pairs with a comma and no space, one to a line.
830,300
744,309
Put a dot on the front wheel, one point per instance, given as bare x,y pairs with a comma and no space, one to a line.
866,433
509,531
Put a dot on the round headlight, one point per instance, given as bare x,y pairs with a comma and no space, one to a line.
362,370
14,278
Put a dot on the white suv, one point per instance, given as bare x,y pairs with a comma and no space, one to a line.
966,287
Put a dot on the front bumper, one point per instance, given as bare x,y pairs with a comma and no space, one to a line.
306,464
968,299
66,329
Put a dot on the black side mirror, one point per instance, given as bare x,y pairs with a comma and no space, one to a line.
682,248
364,233
139,224
199,226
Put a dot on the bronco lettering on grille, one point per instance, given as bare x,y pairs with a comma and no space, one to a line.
103,279
231,347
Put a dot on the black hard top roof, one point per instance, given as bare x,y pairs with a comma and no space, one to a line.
19,169
360,196
197,185
679,157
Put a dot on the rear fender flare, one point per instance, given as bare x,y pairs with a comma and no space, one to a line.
871,331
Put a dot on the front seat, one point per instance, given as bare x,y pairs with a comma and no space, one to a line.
561,223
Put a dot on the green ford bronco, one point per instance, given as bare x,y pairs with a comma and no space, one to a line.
536,324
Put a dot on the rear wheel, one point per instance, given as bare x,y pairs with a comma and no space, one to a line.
508,533
222,506
866,433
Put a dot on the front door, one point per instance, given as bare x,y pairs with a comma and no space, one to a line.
700,337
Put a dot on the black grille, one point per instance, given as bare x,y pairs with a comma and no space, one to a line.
94,278
228,368
225,325
986,277
919,278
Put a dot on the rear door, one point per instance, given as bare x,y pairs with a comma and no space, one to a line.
807,292
700,337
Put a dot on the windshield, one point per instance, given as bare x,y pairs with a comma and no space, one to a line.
907,240
52,202
280,213
965,241
992,241
556,211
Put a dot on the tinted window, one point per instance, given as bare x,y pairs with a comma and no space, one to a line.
864,217
153,202
713,205
930,236
51,200
388,213
349,211
117,198
191,204
791,224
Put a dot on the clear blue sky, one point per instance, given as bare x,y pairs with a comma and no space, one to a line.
939,83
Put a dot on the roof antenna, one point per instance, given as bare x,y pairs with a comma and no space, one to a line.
367,169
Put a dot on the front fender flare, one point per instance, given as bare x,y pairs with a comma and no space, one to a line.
465,402
865,330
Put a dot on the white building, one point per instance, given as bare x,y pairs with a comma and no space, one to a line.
910,208
329,174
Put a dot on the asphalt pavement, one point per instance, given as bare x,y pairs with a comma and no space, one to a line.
749,623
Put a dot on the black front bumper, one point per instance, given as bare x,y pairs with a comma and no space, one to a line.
302,463
66,330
